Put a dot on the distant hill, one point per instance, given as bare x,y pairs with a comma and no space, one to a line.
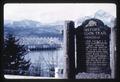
32,28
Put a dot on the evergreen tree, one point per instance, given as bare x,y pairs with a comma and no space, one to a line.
13,56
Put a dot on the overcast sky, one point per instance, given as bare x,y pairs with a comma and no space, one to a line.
48,13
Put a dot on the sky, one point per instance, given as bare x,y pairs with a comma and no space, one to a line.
51,12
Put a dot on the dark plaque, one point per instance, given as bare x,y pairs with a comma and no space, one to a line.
93,52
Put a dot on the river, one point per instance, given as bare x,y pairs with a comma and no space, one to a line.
45,59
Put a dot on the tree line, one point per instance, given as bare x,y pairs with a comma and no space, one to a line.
13,57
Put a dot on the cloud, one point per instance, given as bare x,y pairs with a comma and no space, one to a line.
51,12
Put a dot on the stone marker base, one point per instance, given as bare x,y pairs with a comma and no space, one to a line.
93,76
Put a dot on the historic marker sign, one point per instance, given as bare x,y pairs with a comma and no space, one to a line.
93,52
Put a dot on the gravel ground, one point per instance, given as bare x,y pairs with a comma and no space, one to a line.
92,76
